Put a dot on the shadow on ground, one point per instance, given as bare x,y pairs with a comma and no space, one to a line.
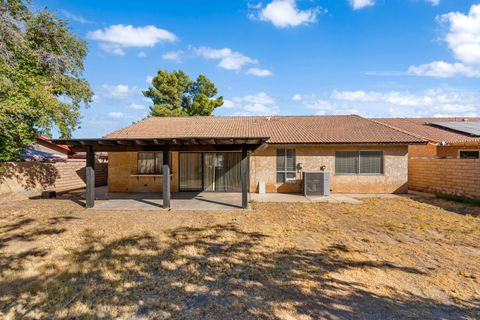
218,272
449,205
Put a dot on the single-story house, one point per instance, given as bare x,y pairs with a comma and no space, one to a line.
454,138
43,144
249,154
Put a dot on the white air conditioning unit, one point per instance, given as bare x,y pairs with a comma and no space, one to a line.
316,183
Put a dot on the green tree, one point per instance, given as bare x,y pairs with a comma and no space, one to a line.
174,95
41,86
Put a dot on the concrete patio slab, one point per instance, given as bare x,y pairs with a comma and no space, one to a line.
179,201
297,197
153,201
213,200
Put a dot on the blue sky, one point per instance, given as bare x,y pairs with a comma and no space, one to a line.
375,58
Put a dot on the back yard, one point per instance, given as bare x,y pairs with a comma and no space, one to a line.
396,258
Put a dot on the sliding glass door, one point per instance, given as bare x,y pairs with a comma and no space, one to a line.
220,171
190,171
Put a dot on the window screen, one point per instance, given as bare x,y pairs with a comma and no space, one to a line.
371,162
359,162
286,165
151,163
346,162
468,154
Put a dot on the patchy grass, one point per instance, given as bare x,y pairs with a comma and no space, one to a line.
386,258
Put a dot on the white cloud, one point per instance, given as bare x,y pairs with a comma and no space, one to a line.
112,48
229,59
142,54
260,109
433,2
117,91
259,98
297,97
173,56
116,37
228,104
359,4
257,104
284,13
403,103
116,114
441,69
464,35
75,17
463,38
149,79
323,107
136,106
259,72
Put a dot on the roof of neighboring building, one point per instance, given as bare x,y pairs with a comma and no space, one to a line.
422,128
63,147
347,129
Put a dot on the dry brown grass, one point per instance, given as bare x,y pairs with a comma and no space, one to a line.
390,258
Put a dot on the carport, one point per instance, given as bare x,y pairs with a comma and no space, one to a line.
165,145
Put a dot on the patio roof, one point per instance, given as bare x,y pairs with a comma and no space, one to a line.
174,143
90,146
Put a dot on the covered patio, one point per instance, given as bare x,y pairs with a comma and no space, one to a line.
166,145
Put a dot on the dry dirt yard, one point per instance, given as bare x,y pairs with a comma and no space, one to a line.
386,258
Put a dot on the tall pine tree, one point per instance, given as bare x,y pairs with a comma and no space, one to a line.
174,95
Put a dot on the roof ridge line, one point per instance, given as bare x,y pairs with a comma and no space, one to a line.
398,129
128,126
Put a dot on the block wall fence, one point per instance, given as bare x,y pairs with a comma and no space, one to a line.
459,177
32,178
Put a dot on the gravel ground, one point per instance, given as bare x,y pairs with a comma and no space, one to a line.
386,258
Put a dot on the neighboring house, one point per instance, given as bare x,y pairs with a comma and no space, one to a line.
455,138
44,150
362,156
44,144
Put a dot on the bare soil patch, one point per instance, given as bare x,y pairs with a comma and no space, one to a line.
386,258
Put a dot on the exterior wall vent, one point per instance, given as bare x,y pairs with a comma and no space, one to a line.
316,183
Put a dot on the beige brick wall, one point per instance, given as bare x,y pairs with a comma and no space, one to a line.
34,177
123,174
451,176
394,179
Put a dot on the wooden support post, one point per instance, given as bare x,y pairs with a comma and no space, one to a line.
90,178
244,174
166,177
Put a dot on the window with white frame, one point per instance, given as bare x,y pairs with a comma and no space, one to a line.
151,163
286,166
469,154
359,162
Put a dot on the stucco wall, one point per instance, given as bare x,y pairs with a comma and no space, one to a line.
123,174
451,176
394,179
123,168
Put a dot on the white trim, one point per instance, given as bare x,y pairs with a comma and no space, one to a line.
285,172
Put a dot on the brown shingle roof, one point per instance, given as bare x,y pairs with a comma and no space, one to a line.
420,127
349,129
